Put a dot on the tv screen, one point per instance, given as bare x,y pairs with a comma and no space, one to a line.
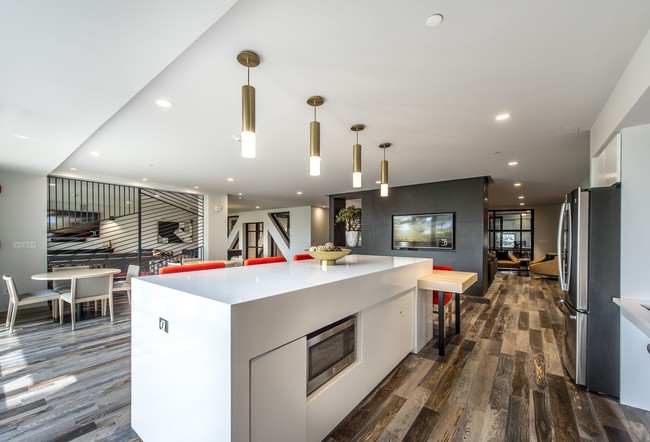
425,231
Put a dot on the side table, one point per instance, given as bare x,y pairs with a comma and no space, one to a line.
523,266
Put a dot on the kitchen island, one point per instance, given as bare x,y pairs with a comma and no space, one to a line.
221,354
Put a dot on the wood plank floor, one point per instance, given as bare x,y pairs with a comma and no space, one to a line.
502,379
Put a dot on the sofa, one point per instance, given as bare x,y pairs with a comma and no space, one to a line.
506,260
545,266
492,267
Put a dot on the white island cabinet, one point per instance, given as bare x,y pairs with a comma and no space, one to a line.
220,355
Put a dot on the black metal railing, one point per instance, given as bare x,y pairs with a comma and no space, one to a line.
110,225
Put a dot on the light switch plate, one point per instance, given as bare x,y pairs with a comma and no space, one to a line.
24,244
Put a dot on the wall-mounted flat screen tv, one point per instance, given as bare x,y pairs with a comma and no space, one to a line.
424,231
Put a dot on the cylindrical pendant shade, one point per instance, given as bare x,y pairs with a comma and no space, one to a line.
384,179
314,166
314,139
248,144
248,121
356,179
247,108
314,148
356,165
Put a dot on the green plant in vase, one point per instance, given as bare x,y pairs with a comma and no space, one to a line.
351,217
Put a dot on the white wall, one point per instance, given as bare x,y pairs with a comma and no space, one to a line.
23,210
632,85
545,235
635,212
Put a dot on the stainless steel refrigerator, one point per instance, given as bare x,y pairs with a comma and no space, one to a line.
589,274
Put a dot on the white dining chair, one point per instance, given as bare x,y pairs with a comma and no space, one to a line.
16,299
87,288
125,286
63,285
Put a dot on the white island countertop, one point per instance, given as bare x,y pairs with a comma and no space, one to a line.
238,285
196,335
634,311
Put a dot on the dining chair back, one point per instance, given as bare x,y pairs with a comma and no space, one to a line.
125,286
302,256
267,260
63,285
192,267
16,299
88,288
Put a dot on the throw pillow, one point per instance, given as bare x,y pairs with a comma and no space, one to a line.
503,256
549,257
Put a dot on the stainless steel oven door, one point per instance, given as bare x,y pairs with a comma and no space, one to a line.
329,351
574,347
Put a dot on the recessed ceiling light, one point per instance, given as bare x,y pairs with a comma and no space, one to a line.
22,137
378,182
239,197
522,204
517,184
73,168
502,117
257,207
163,103
144,179
230,179
299,193
95,154
240,194
521,197
512,163
434,20
196,187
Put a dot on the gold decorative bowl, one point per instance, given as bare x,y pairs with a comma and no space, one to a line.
329,258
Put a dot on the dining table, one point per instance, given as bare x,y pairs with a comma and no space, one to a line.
62,275
442,281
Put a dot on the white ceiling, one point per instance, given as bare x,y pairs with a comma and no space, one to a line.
85,78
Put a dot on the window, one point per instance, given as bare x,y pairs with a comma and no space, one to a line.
512,231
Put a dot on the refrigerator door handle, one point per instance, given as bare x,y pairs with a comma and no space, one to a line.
564,259
569,254
560,257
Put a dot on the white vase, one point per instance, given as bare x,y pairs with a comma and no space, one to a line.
352,238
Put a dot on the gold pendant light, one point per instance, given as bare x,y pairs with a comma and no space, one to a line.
314,138
383,187
356,157
250,60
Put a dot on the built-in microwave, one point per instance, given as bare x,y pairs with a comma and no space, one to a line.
329,350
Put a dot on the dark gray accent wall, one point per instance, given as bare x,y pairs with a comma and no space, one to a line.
467,198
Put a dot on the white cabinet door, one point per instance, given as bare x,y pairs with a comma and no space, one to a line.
635,363
386,338
279,394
